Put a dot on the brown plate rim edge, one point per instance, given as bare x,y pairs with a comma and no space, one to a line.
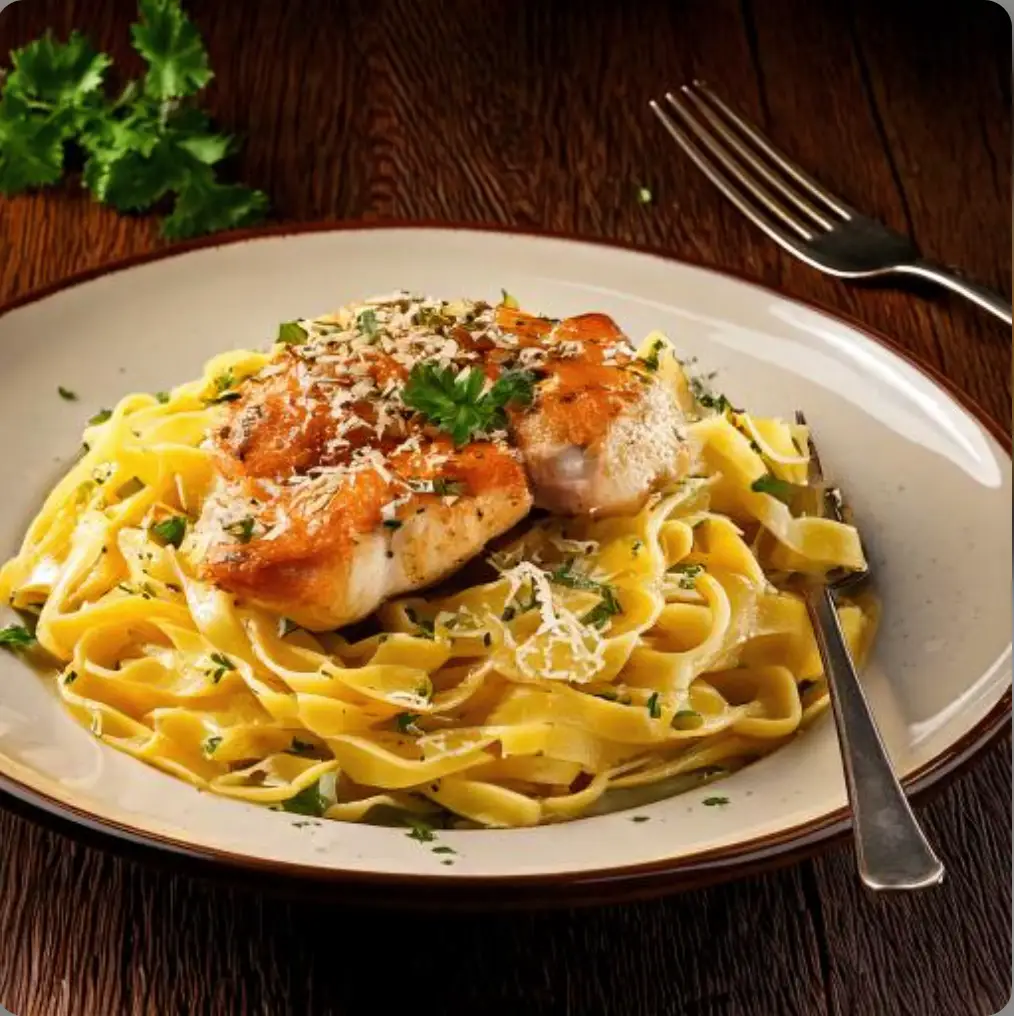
599,885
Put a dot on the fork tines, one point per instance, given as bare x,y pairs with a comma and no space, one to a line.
772,191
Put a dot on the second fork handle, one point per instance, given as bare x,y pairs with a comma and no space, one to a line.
890,847
980,295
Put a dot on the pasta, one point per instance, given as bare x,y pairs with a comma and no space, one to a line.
597,655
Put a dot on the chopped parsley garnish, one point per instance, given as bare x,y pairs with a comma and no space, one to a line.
405,722
222,665
100,417
640,818
687,719
211,745
137,149
419,830
444,487
651,361
769,484
444,850
506,300
162,397
241,530
687,574
715,802
458,405
609,605
292,333
366,321
644,196
66,394
392,524
170,531
16,637
225,385
710,400
654,709
599,615
70,677
309,801
424,624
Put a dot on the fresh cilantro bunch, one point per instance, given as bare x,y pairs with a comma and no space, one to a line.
458,405
149,143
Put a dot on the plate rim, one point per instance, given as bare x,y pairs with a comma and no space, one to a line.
513,891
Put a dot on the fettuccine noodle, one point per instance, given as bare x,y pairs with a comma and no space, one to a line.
603,654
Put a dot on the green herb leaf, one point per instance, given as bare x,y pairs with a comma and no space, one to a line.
309,801
211,744
31,147
172,48
713,802
444,850
162,397
222,666
57,73
366,321
651,359
457,405
710,400
419,830
70,677
445,487
170,531
687,573
139,148
654,709
66,394
291,333
206,206
640,818
506,300
608,607
780,489
224,385
16,637
132,172
242,530
424,624
100,417
405,722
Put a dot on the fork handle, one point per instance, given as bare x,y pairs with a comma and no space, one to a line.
891,850
985,298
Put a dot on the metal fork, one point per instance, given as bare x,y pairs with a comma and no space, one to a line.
891,850
794,209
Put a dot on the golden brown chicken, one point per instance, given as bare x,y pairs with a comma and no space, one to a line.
385,446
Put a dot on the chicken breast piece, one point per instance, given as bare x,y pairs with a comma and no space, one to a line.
386,445
603,431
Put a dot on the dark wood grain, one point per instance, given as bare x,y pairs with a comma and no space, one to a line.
533,114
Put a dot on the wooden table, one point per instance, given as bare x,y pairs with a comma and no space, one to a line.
534,114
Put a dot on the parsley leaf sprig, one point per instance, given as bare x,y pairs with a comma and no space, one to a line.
457,403
148,145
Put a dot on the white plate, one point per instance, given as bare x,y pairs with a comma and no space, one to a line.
930,485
